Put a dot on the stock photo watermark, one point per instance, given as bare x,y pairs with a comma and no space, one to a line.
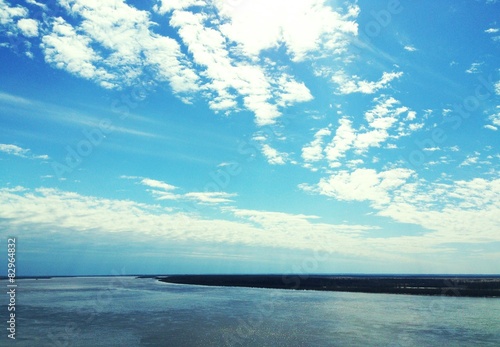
11,287
382,18
65,336
484,90
265,309
84,148
94,137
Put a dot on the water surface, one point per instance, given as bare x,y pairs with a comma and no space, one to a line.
125,311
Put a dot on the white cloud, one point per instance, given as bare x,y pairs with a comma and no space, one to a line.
20,152
117,45
157,184
231,72
292,223
363,185
304,27
461,211
34,2
455,212
68,50
491,127
384,116
292,91
28,27
470,160
210,197
273,156
410,48
369,139
164,191
474,68
432,149
13,150
7,13
314,150
341,142
225,73
353,164
208,49
416,126
384,121
497,88
14,25
114,44
35,212
412,115
170,5
353,84
492,30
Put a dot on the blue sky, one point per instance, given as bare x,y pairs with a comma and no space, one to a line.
240,136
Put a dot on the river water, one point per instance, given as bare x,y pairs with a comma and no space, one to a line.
125,311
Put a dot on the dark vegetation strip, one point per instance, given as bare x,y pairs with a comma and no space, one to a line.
434,285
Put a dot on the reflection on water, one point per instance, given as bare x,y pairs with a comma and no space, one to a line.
124,311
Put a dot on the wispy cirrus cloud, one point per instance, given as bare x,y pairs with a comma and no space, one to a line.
38,4
14,99
157,184
210,197
32,109
164,191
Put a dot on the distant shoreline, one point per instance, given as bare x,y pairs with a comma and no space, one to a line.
466,286
445,285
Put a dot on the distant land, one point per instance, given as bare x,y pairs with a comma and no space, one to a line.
448,285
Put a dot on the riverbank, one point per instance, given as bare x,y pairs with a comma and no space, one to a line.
467,286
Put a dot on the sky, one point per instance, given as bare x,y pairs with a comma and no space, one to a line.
250,136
